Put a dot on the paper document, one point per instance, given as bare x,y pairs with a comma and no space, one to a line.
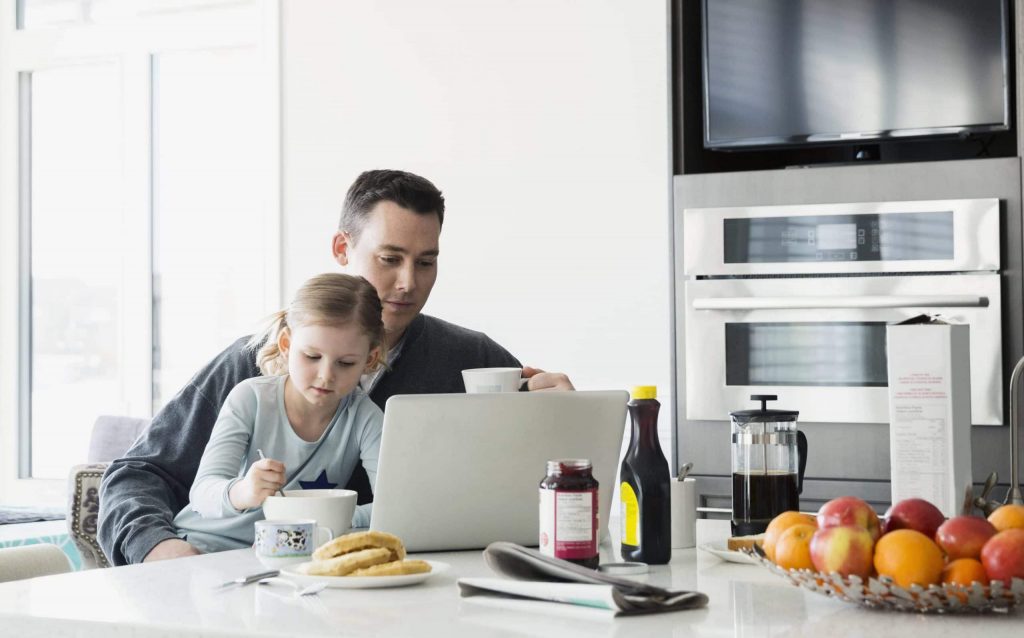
533,575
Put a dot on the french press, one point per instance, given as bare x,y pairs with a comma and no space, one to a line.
768,459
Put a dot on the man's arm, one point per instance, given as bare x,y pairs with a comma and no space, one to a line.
435,354
143,491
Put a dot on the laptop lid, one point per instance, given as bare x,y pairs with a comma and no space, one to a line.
460,471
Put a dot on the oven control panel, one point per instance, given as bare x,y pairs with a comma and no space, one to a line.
865,237
862,238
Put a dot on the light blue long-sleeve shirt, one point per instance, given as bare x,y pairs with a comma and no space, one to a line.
253,418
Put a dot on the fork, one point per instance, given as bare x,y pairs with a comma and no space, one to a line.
309,590
248,580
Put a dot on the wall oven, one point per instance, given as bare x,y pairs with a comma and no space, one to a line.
794,300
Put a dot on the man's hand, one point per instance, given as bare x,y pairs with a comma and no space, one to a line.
264,477
546,381
170,548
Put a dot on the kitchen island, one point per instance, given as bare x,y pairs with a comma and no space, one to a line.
180,598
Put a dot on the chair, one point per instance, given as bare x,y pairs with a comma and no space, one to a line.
29,561
111,437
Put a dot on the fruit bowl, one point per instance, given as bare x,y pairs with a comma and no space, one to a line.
883,593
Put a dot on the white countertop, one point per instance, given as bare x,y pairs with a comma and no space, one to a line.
178,598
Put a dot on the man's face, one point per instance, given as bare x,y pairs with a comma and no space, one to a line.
397,253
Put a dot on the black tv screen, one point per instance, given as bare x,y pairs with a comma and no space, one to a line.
793,72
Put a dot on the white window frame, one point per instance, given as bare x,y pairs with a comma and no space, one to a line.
134,47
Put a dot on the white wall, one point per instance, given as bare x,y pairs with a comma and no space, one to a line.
545,123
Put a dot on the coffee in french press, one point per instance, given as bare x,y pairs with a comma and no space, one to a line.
768,459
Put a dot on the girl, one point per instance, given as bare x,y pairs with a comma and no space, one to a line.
305,415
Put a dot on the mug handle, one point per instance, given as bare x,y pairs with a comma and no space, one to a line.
801,452
323,534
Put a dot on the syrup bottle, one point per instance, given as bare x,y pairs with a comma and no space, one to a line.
644,488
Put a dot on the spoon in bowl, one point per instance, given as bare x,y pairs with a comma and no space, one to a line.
280,492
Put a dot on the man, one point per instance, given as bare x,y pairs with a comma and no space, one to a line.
389,233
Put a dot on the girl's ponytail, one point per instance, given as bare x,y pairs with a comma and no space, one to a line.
269,358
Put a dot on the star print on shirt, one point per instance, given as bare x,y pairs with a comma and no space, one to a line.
321,483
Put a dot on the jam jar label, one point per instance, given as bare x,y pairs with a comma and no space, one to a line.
568,523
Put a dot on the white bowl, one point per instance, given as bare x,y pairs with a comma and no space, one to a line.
332,509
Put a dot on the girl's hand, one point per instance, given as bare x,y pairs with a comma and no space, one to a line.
263,479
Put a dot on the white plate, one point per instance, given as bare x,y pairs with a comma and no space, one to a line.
364,582
721,550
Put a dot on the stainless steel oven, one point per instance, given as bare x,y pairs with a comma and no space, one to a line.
793,301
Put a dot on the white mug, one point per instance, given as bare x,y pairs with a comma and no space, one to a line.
479,380
281,542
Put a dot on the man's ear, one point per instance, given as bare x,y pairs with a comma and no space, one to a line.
284,341
340,244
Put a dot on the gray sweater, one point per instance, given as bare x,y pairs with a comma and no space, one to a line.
143,490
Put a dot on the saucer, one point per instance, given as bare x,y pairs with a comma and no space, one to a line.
721,550
365,582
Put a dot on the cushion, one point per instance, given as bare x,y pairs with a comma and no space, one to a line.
112,436
83,512
30,561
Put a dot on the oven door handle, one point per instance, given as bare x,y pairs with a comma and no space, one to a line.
803,303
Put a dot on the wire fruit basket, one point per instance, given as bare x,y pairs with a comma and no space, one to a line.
883,593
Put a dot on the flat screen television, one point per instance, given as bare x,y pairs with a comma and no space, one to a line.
796,72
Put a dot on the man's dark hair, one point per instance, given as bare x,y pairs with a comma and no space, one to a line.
409,191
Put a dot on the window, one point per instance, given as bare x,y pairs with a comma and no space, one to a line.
74,263
144,212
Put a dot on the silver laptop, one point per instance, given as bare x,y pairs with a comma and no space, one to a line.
460,471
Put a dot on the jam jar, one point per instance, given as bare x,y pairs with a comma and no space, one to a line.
568,512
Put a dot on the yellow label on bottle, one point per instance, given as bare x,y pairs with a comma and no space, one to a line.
630,515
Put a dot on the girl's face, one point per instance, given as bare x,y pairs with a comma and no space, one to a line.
325,362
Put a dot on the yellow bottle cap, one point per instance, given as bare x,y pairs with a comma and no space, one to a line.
645,392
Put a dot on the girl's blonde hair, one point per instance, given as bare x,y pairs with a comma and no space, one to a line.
330,299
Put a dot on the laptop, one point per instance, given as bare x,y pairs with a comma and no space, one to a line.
460,471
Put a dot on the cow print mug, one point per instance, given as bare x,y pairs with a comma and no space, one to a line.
283,542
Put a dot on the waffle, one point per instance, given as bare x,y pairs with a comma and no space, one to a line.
346,563
394,568
358,541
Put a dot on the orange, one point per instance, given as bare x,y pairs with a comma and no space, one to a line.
780,524
909,557
1007,517
793,550
964,571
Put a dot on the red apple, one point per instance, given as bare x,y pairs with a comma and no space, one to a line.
1003,556
849,510
848,549
964,536
916,514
